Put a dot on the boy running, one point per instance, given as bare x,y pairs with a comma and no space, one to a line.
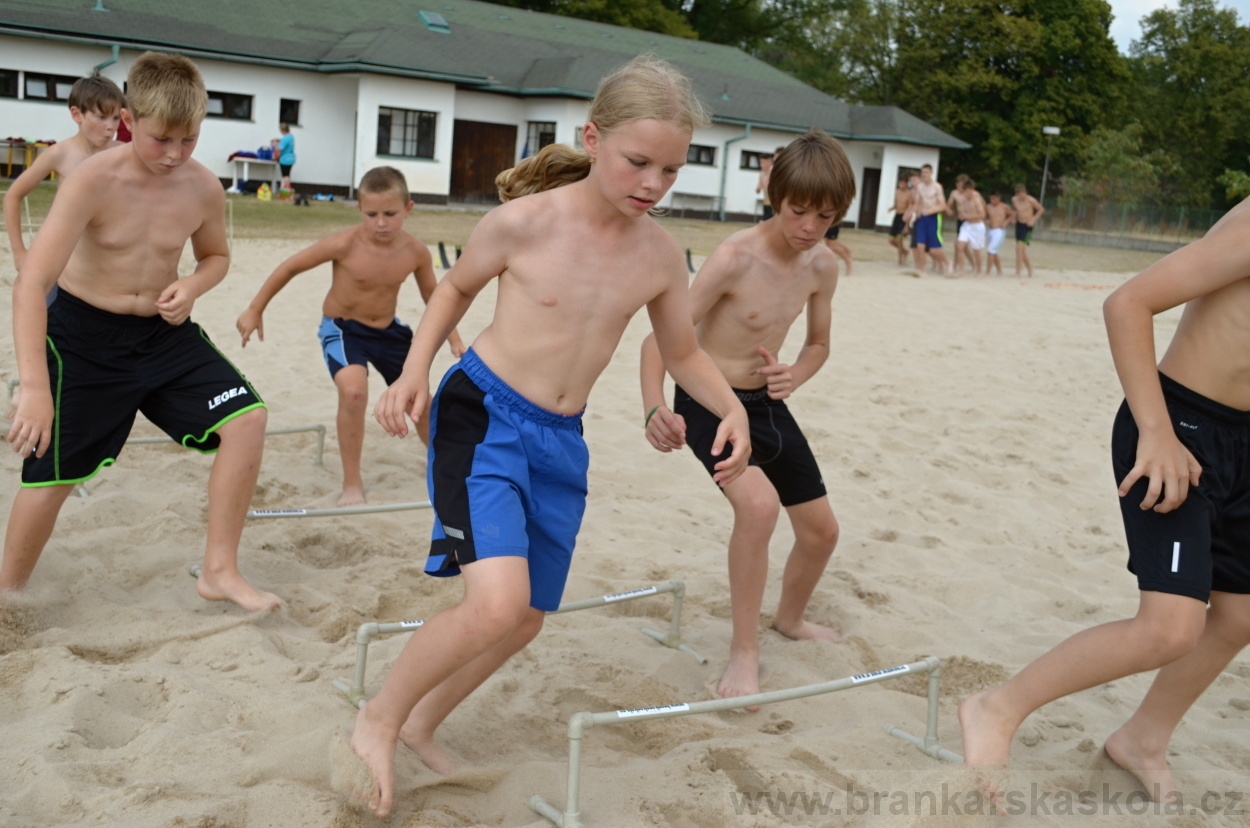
1179,449
1028,210
96,105
969,207
116,336
997,216
370,263
928,204
744,300
898,227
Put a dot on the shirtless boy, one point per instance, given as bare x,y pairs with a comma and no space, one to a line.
928,204
1179,452
898,227
370,263
116,337
1028,210
743,301
997,215
96,105
970,209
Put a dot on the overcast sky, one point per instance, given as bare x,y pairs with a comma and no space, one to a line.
1125,28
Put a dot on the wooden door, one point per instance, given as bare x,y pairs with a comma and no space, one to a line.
868,199
479,152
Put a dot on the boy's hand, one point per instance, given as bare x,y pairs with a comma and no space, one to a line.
249,322
31,431
19,256
666,430
456,344
734,430
776,374
175,302
1170,468
404,397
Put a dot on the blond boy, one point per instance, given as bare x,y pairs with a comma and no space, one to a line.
997,215
96,105
969,208
116,337
1028,210
744,299
369,264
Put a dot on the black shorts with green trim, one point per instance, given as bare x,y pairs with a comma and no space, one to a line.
106,367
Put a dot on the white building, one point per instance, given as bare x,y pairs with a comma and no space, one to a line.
448,91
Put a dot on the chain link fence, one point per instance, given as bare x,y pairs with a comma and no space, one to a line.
1131,226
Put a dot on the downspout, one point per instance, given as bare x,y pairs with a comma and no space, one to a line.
724,170
116,51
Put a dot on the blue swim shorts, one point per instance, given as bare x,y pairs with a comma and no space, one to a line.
928,231
507,478
348,342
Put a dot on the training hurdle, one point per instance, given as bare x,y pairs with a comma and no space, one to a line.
355,692
339,510
317,427
581,722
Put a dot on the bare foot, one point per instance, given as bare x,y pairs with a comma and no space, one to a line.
234,587
1150,767
808,630
351,496
376,748
429,752
986,733
741,678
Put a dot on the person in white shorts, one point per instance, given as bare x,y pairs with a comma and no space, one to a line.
998,214
969,208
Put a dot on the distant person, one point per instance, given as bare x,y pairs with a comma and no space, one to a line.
96,106
371,262
761,185
1028,210
841,250
997,217
928,204
284,153
969,207
898,226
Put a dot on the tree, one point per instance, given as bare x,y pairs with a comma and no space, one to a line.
1115,169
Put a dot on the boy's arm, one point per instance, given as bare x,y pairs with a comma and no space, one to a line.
423,272
1214,261
784,380
211,249
73,208
327,250
694,370
43,165
485,257
1040,209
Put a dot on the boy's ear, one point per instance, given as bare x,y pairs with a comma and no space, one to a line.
76,114
128,119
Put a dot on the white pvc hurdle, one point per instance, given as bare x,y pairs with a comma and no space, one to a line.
340,510
581,722
269,432
355,692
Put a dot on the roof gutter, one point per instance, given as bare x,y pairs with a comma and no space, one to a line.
95,70
724,166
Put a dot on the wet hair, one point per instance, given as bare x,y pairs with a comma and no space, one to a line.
384,180
646,87
813,172
96,94
167,89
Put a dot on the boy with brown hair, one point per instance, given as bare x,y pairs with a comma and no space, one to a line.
1179,449
116,336
997,215
370,263
1028,210
96,106
743,301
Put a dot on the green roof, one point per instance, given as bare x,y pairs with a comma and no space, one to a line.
490,47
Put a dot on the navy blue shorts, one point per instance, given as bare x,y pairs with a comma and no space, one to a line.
507,478
1024,232
348,342
928,231
778,446
106,367
1204,544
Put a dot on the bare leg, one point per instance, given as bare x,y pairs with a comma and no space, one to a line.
920,251
815,536
352,382
231,484
976,260
1020,258
939,257
1166,628
842,252
1140,745
756,508
961,253
418,731
495,603
1023,249
31,521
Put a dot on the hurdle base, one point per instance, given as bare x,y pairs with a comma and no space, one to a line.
668,641
355,695
553,814
929,748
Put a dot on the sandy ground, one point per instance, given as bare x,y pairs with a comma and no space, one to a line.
962,426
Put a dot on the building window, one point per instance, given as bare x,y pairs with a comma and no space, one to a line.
229,105
751,160
705,156
406,132
8,83
541,133
41,87
288,111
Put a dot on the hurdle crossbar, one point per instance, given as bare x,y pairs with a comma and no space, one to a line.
341,510
581,722
317,427
355,692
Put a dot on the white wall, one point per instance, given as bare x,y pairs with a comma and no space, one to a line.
39,120
431,177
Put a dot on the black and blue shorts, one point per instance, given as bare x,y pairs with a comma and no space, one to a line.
348,342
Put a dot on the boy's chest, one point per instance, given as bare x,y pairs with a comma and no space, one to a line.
370,268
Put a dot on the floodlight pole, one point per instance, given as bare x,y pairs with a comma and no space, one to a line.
1050,133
